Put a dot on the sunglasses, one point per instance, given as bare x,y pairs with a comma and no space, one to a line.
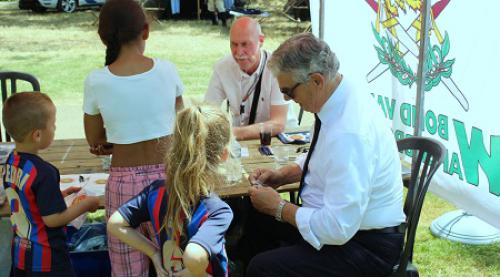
289,91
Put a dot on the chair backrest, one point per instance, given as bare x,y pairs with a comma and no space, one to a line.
428,155
13,77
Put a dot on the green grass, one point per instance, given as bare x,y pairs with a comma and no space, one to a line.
61,49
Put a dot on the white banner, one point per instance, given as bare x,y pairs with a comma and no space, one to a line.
377,45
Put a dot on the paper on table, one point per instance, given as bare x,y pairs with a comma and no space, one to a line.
67,181
295,137
77,222
94,184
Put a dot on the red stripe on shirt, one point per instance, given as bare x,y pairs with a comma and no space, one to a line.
42,237
15,164
156,209
203,219
21,248
21,254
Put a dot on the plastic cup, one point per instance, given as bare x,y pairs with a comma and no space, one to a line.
266,130
281,154
232,171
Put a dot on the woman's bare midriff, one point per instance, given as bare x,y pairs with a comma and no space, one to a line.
142,153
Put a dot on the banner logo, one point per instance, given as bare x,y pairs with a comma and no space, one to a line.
398,46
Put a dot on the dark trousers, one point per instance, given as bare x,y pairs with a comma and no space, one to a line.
15,272
287,254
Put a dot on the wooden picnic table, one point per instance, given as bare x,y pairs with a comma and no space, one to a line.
72,156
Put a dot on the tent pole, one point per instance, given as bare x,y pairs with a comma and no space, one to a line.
422,64
322,19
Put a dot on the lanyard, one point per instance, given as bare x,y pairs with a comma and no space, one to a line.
255,86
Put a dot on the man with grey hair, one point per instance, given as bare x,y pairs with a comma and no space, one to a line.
350,180
245,81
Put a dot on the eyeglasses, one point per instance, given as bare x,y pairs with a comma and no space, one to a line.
289,92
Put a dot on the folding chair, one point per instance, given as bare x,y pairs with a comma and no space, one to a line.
13,77
294,7
431,153
152,8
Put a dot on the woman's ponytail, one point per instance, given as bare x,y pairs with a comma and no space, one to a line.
120,22
112,51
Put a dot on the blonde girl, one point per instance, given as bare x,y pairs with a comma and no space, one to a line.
189,219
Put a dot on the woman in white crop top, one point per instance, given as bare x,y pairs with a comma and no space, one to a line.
129,108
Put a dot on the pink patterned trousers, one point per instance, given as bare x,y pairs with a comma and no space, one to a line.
123,184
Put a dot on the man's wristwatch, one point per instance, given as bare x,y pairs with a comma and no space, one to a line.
279,210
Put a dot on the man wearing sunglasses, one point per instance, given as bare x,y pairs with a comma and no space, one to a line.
250,89
348,222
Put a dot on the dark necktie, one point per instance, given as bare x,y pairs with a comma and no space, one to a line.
317,127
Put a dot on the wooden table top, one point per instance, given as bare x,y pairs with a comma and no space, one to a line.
72,156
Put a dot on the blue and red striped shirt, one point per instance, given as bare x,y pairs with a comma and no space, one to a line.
32,188
208,225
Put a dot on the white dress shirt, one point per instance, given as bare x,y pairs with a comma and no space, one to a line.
230,82
354,177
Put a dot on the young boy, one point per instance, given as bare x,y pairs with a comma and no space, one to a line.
38,210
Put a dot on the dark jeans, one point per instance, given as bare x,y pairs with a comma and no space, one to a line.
287,254
15,272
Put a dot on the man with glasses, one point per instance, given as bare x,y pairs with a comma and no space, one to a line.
249,87
350,180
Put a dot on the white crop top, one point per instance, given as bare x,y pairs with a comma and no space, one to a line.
134,108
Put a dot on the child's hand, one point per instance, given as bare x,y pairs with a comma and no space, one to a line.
70,190
91,202
101,149
183,273
156,259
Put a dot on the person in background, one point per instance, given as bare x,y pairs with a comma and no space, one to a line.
218,11
38,211
244,80
189,219
350,180
130,107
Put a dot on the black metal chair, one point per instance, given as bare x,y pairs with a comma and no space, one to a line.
13,77
429,155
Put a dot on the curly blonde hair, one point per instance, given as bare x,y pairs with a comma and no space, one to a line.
200,136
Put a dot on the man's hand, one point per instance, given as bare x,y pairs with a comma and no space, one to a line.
266,177
70,190
265,199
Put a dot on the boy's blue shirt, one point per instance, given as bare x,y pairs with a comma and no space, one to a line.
32,188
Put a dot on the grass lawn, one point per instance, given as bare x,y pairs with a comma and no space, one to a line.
61,49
